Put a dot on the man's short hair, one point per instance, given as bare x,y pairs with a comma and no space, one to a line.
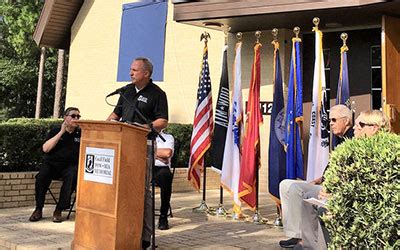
69,109
147,64
343,110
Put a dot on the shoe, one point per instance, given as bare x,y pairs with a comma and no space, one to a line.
57,218
163,223
290,243
145,244
36,215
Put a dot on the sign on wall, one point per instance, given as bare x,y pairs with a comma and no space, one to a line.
265,107
99,165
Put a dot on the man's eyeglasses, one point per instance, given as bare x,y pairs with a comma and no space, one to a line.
74,116
363,124
335,119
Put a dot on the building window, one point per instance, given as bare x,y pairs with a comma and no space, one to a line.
376,77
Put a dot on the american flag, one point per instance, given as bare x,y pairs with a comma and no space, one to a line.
202,125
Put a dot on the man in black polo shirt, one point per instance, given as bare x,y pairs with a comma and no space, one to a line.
61,150
143,95
151,101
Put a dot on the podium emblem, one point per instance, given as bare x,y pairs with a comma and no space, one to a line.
89,164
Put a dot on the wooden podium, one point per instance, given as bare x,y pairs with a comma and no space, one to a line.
111,184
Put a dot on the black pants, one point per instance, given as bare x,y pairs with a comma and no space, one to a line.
163,178
48,172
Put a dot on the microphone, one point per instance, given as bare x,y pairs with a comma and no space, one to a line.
118,91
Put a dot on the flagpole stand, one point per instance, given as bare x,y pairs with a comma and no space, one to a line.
278,221
221,211
202,208
258,219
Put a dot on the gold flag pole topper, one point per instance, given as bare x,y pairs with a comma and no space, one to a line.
274,33
258,35
226,32
296,31
239,36
205,36
316,22
344,37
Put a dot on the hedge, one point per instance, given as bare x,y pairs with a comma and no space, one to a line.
21,142
364,180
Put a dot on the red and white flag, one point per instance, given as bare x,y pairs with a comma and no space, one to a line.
202,125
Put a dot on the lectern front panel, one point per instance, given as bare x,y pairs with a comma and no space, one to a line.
110,197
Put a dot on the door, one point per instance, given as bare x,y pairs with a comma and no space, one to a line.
391,70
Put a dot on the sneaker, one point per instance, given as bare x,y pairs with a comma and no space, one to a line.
163,223
290,243
298,246
36,215
145,244
57,218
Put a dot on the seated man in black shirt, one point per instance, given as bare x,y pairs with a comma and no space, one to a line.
61,150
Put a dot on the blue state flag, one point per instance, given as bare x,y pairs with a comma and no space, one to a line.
343,90
294,116
277,156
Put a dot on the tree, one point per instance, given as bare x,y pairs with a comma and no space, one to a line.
19,61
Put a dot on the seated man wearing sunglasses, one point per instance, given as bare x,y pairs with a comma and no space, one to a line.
61,150
300,221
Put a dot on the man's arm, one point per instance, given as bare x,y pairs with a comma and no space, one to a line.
52,142
164,154
113,116
160,124
317,181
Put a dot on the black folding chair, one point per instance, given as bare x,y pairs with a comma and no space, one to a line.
71,208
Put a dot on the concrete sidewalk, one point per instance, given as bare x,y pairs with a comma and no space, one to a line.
188,229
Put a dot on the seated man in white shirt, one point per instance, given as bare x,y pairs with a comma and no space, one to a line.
300,221
163,175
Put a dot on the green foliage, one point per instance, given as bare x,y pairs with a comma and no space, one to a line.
19,61
364,179
183,133
21,143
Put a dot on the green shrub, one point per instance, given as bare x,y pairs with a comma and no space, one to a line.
21,142
183,133
364,179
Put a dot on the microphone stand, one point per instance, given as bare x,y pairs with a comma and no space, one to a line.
151,136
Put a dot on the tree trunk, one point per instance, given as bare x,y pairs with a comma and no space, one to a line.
59,83
40,83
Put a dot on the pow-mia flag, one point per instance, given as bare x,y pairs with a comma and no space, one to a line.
221,117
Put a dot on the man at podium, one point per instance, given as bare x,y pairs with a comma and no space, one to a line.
151,101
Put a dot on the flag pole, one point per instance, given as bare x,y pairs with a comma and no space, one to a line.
257,219
221,211
203,208
275,42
